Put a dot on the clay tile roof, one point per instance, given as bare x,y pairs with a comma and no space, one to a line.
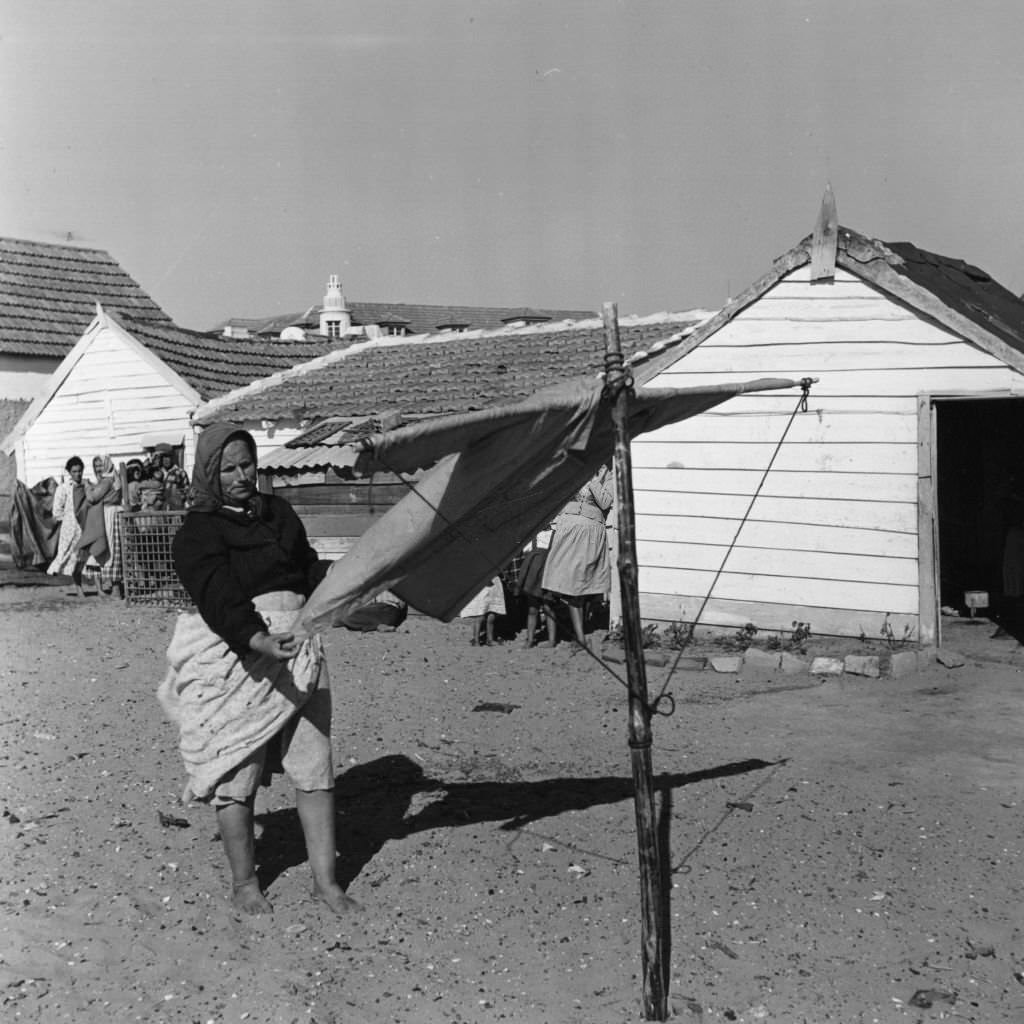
417,318
48,296
213,364
448,372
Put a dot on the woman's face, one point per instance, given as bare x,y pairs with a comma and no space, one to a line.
237,473
97,466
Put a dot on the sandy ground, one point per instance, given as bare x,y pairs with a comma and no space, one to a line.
839,850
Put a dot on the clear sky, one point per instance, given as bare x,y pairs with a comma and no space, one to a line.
231,154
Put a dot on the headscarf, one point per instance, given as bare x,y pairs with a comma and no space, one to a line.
106,465
206,473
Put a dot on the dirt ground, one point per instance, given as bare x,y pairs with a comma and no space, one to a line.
839,850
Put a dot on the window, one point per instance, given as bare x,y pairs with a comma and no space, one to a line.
333,329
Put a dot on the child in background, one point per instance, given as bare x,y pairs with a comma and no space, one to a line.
483,610
529,586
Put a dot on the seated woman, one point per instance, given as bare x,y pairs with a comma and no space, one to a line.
240,682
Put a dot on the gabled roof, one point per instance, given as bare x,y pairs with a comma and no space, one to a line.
447,372
960,297
420,319
48,296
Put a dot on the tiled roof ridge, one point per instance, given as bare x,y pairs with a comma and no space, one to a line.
689,318
69,246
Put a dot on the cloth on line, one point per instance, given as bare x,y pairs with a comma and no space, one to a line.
502,474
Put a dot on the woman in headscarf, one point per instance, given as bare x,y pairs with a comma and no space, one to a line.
247,695
69,506
94,545
107,494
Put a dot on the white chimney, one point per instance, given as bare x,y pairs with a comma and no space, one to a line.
335,318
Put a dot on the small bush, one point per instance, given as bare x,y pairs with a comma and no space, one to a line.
678,635
892,641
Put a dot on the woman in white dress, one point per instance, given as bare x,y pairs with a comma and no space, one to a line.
69,506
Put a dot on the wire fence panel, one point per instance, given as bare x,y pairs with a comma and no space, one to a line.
149,576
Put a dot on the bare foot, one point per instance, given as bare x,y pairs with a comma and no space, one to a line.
247,898
337,900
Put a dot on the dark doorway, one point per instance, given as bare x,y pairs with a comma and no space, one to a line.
980,493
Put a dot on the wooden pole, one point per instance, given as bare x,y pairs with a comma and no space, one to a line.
654,922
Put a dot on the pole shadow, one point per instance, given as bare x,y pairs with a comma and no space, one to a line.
373,802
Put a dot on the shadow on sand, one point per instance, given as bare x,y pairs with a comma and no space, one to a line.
374,801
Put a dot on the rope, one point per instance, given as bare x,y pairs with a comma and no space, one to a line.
801,406
613,362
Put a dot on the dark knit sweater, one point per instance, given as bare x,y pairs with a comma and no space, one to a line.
225,558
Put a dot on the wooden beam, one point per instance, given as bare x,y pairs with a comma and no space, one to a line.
927,525
824,239
653,911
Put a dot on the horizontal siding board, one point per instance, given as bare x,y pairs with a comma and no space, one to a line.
757,534
868,515
786,360
805,334
867,382
822,565
842,458
803,274
781,590
804,429
778,483
724,615
342,524
845,287
832,307
771,403
331,548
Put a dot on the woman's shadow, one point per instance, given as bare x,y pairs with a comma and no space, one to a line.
373,802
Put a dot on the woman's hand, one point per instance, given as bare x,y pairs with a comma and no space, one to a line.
279,646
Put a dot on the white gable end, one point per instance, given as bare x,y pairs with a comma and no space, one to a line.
832,537
110,393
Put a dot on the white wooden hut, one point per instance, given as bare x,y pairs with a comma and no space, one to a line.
128,385
48,295
888,497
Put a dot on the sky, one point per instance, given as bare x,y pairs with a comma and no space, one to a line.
660,154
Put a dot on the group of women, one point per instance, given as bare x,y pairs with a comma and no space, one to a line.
87,511
88,543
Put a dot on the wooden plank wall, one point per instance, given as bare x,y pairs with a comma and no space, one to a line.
336,512
110,399
832,537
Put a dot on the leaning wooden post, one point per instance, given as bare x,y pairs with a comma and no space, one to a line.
654,940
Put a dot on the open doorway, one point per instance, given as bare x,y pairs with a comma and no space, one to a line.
980,497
